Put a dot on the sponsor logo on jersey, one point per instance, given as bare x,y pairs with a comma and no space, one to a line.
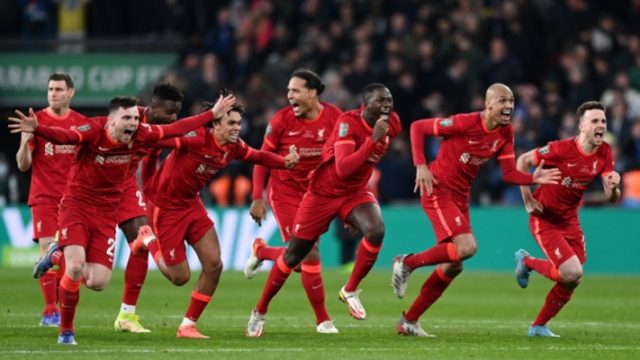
543,150
100,159
446,122
343,129
191,133
83,128
201,169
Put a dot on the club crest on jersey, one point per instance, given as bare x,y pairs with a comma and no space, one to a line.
48,149
268,131
594,169
83,128
320,137
343,129
446,122
543,150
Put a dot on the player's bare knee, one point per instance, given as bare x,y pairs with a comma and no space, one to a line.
570,276
213,267
467,250
75,268
375,235
180,279
96,284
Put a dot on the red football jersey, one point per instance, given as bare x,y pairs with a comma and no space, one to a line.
50,163
350,126
102,166
308,136
467,144
187,169
578,171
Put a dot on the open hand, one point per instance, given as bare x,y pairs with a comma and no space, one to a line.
23,123
546,176
424,180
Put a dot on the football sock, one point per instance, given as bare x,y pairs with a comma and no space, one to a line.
269,252
134,276
198,302
542,266
277,277
69,298
441,253
556,299
57,257
312,283
431,290
366,256
48,287
154,250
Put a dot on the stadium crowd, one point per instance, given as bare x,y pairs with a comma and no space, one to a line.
437,58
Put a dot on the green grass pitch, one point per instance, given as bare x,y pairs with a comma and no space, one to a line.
481,316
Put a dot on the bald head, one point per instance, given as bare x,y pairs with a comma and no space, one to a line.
499,104
496,90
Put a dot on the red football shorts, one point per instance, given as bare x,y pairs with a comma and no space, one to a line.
91,227
45,220
448,213
559,241
285,207
173,226
132,204
316,212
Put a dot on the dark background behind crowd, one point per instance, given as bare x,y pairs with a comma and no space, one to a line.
436,57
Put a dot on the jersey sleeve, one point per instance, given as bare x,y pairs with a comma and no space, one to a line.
82,133
507,150
608,162
348,157
549,153
274,131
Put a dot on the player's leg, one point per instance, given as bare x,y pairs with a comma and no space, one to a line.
134,276
311,277
430,292
362,211
564,246
284,211
450,220
69,292
49,288
45,225
313,218
208,251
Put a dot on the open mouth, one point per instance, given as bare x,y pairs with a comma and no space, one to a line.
129,131
599,135
295,105
506,113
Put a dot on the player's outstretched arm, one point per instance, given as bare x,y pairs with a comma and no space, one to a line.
611,182
57,135
23,157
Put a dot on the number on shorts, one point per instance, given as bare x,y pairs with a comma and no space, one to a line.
140,199
112,247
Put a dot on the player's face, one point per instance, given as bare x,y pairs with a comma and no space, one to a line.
123,123
228,129
300,98
593,126
500,106
380,103
164,111
59,95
